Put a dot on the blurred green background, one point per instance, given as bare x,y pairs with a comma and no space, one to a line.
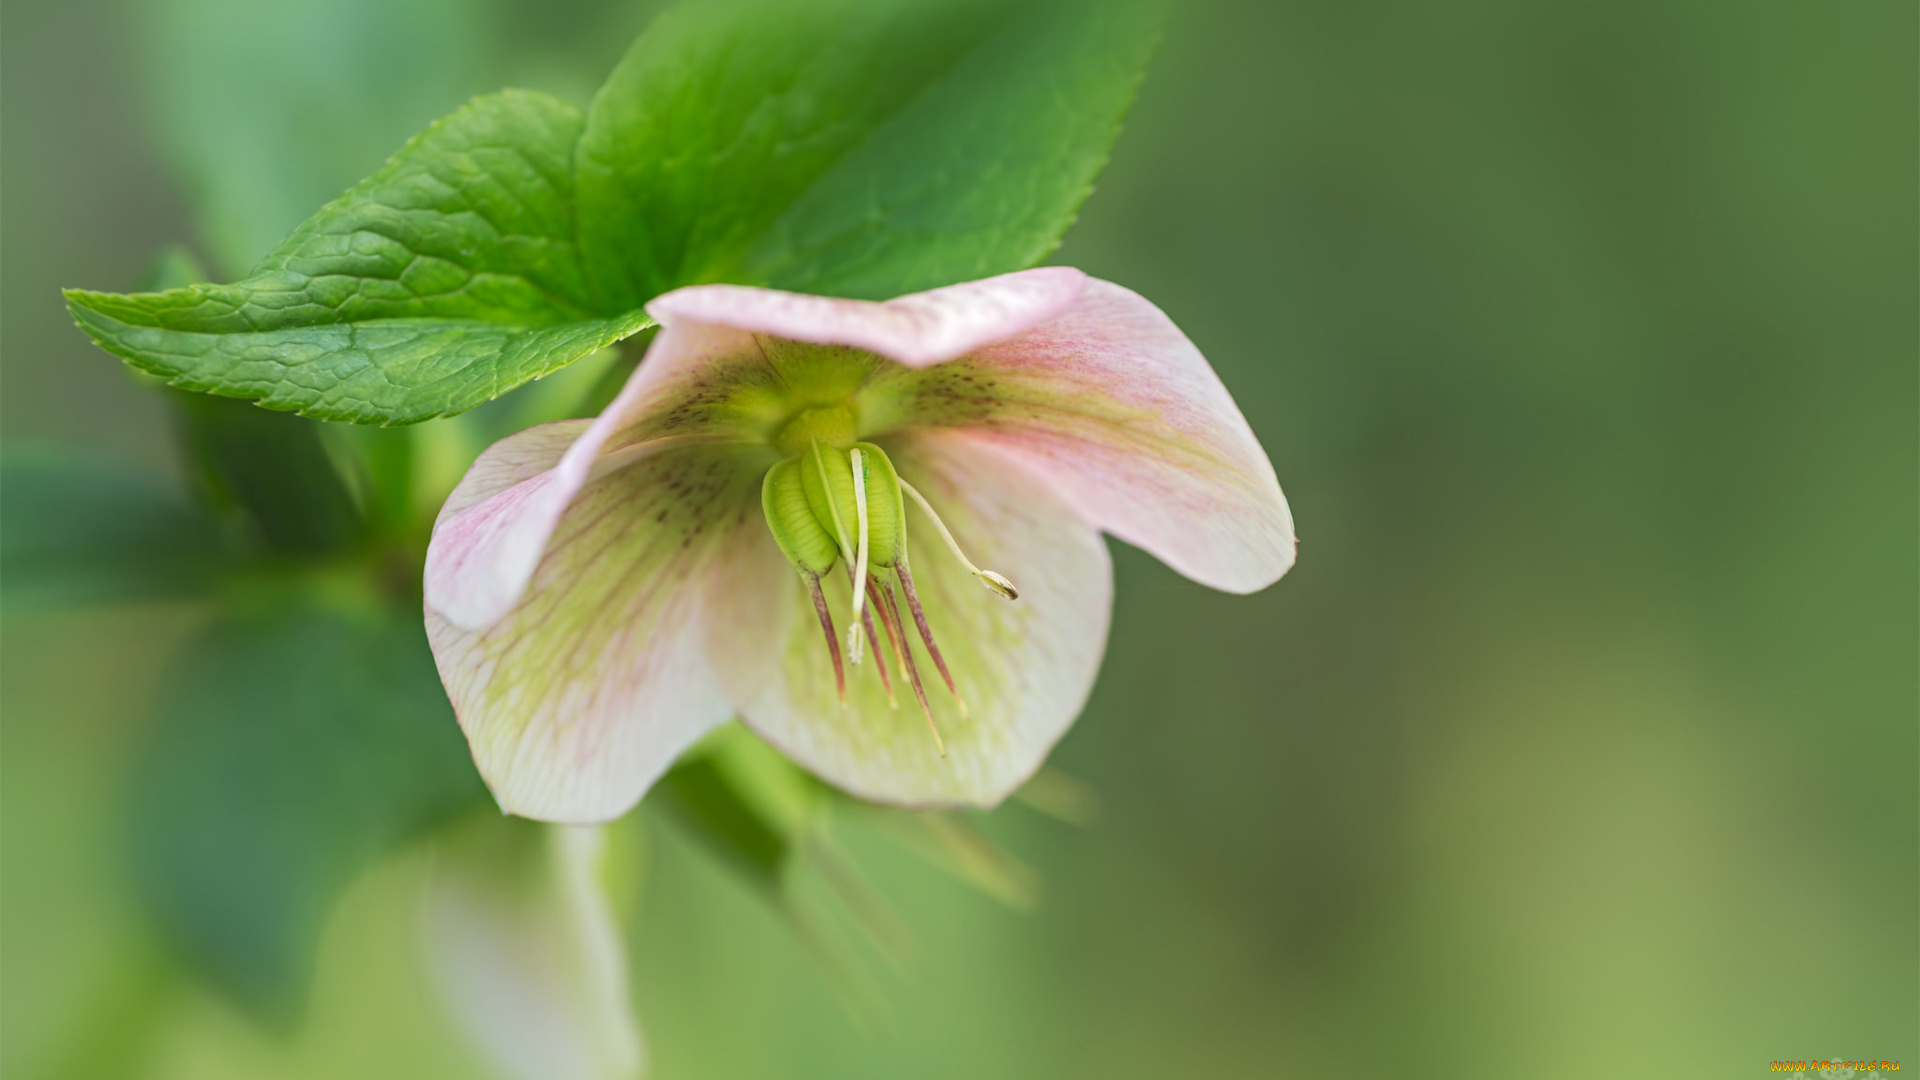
1581,743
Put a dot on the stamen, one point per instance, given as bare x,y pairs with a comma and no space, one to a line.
897,637
860,558
833,639
995,584
926,632
885,596
886,681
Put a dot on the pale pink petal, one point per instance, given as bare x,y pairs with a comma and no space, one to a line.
714,374
493,528
1025,667
513,460
525,948
698,385
915,330
1121,415
580,697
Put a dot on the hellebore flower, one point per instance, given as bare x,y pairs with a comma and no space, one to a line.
602,592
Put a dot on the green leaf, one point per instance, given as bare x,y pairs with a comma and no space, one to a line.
982,172
744,803
853,147
74,530
258,134
447,278
953,842
269,470
764,818
288,751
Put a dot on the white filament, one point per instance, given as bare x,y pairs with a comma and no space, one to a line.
860,558
996,584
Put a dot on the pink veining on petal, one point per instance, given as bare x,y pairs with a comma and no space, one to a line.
581,696
590,583
1117,410
489,539
491,533
494,525
915,330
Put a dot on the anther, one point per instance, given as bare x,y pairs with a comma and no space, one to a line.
995,583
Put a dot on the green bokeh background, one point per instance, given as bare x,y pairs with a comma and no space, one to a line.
1581,742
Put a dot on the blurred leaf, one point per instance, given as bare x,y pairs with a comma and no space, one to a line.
861,147
743,802
707,804
378,464
174,266
260,130
852,147
270,470
288,750
764,818
445,279
952,842
75,530
1062,797
525,946
122,1019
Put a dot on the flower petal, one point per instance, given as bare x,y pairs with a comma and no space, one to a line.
714,374
698,385
525,948
1121,415
1024,667
493,528
915,330
579,698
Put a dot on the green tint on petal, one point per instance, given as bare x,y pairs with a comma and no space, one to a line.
579,698
818,375
1024,668
1116,411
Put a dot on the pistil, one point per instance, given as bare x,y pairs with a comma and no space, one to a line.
858,459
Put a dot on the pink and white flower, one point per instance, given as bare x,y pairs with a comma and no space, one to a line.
600,593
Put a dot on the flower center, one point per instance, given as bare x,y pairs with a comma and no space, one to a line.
836,501
831,427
